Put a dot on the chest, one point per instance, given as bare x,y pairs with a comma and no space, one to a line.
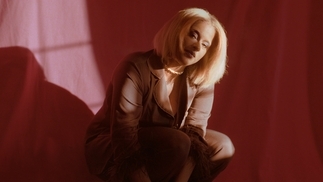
166,104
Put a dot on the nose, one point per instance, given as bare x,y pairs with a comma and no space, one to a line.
197,46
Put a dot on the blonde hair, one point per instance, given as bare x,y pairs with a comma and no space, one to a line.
169,40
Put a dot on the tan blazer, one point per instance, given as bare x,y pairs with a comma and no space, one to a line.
137,97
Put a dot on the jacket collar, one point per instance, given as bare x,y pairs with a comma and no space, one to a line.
155,65
159,88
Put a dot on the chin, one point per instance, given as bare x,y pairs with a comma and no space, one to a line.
188,62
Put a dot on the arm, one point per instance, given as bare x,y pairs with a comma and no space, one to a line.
112,132
195,127
126,109
200,110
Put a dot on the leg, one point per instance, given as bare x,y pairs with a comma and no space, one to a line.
186,171
166,151
140,175
224,150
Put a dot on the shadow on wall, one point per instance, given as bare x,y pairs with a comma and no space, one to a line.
42,125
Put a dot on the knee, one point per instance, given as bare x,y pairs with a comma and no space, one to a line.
180,143
175,150
227,148
223,146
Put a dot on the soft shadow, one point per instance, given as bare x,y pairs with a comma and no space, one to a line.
42,125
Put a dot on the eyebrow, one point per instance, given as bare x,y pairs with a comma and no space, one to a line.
195,31
199,35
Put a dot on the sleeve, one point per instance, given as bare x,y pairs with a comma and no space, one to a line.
195,127
126,109
200,110
112,134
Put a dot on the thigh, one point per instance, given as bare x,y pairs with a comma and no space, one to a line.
162,138
165,151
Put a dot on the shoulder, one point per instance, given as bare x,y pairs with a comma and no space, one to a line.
205,90
138,57
134,61
133,66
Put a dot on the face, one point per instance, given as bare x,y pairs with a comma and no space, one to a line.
196,43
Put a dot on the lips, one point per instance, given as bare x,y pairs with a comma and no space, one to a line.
190,54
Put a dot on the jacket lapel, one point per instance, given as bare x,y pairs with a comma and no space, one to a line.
160,89
161,97
186,94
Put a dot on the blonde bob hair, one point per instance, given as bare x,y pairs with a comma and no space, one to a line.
169,40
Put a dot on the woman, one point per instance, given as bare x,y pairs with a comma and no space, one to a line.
152,125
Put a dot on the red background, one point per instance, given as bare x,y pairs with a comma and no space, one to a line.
269,103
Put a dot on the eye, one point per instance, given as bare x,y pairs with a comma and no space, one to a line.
205,45
193,35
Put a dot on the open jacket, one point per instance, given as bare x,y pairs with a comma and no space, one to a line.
137,97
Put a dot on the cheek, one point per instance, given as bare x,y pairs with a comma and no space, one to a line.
202,53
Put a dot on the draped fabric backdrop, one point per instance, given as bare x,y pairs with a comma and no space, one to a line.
269,103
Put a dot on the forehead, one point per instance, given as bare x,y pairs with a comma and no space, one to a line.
205,29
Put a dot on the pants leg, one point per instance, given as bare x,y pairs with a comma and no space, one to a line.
223,152
165,150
